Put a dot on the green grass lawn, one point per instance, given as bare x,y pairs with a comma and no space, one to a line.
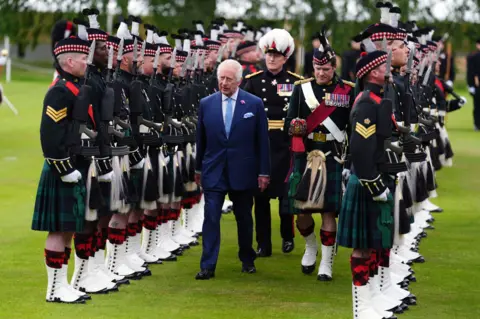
448,283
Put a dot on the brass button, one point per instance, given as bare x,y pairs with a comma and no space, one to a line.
264,99
264,89
288,80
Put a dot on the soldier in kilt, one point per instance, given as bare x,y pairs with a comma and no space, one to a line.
60,201
366,217
86,277
274,86
320,106
122,259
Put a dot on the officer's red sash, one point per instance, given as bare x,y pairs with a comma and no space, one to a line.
440,86
323,111
72,88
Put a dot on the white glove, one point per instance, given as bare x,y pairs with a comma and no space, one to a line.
106,177
471,89
346,173
449,83
139,165
73,177
462,101
382,197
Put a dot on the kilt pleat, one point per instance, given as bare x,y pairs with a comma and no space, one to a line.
59,206
136,176
364,223
105,188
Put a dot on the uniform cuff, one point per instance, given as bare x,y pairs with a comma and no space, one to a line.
135,157
104,165
62,166
376,186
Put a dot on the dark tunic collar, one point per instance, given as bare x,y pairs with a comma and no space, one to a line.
374,88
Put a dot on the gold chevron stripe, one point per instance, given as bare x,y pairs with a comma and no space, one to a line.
56,116
365,132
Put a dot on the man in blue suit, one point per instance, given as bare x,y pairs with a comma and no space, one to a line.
232,158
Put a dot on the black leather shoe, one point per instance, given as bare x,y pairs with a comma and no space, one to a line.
178,252
307,270
123,281
205,274
288,246
324,277
263,252
85,297
172,257
249,269
419,260
396,310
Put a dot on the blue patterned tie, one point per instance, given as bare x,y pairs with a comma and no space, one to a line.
228,116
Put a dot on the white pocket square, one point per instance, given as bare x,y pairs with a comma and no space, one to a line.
248,115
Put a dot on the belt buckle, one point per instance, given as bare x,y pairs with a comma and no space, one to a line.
319,137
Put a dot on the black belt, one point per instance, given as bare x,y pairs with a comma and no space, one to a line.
151,140
120,150
416,157
128,141
393,168
190,138
86,151
426,137
173,139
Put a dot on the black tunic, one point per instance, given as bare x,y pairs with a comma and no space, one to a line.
275,91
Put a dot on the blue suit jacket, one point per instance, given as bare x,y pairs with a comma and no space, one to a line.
245,154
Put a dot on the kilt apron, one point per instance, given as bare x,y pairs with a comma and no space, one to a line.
333,191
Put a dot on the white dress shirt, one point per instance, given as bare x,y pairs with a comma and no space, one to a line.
225,101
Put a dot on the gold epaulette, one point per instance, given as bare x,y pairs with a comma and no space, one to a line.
296,75
253,74
303,81
349,83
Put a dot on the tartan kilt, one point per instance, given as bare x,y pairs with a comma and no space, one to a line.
59,206
105,188
364,223
191,198
333,191
136,176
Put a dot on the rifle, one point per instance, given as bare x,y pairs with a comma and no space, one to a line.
172,65
80,113
408,99
137,98
108,109
385,110
117,107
